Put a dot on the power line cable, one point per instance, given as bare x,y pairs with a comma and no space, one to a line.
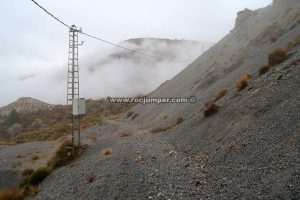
105,41
50,14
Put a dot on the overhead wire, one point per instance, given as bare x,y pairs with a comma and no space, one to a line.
105,41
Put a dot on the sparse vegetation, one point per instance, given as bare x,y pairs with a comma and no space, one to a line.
140,158
107,151
63,156
89,179
123,134
242,83
277,57
54,123
39,175
230,146
129,114
210,109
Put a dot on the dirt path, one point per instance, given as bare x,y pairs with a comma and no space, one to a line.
141,166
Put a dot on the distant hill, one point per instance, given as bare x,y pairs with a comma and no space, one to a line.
25,105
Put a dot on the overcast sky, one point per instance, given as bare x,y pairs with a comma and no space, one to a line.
32,43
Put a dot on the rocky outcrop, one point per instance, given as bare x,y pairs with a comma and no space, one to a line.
242,16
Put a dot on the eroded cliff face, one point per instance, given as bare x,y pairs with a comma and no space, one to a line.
242,16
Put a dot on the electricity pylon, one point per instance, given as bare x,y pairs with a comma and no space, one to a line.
73,83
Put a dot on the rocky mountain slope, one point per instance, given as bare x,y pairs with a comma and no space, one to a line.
244,50
25,105
247,148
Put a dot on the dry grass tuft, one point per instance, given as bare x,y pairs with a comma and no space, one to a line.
230,146
140,158
107,151
14,193
210,109
242,83
123,134
90,179
263,69
277,57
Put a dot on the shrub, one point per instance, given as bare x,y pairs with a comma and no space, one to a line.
63,157
263,69
129,114
39,175
242,83
140,158
89,179
210,109
220,94
107,151
277,57
14,193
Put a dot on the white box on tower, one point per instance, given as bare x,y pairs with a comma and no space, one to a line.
79,106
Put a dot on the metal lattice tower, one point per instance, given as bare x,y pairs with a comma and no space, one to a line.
73,82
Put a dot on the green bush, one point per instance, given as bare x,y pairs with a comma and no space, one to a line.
129,114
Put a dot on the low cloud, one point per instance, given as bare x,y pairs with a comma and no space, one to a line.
114,72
